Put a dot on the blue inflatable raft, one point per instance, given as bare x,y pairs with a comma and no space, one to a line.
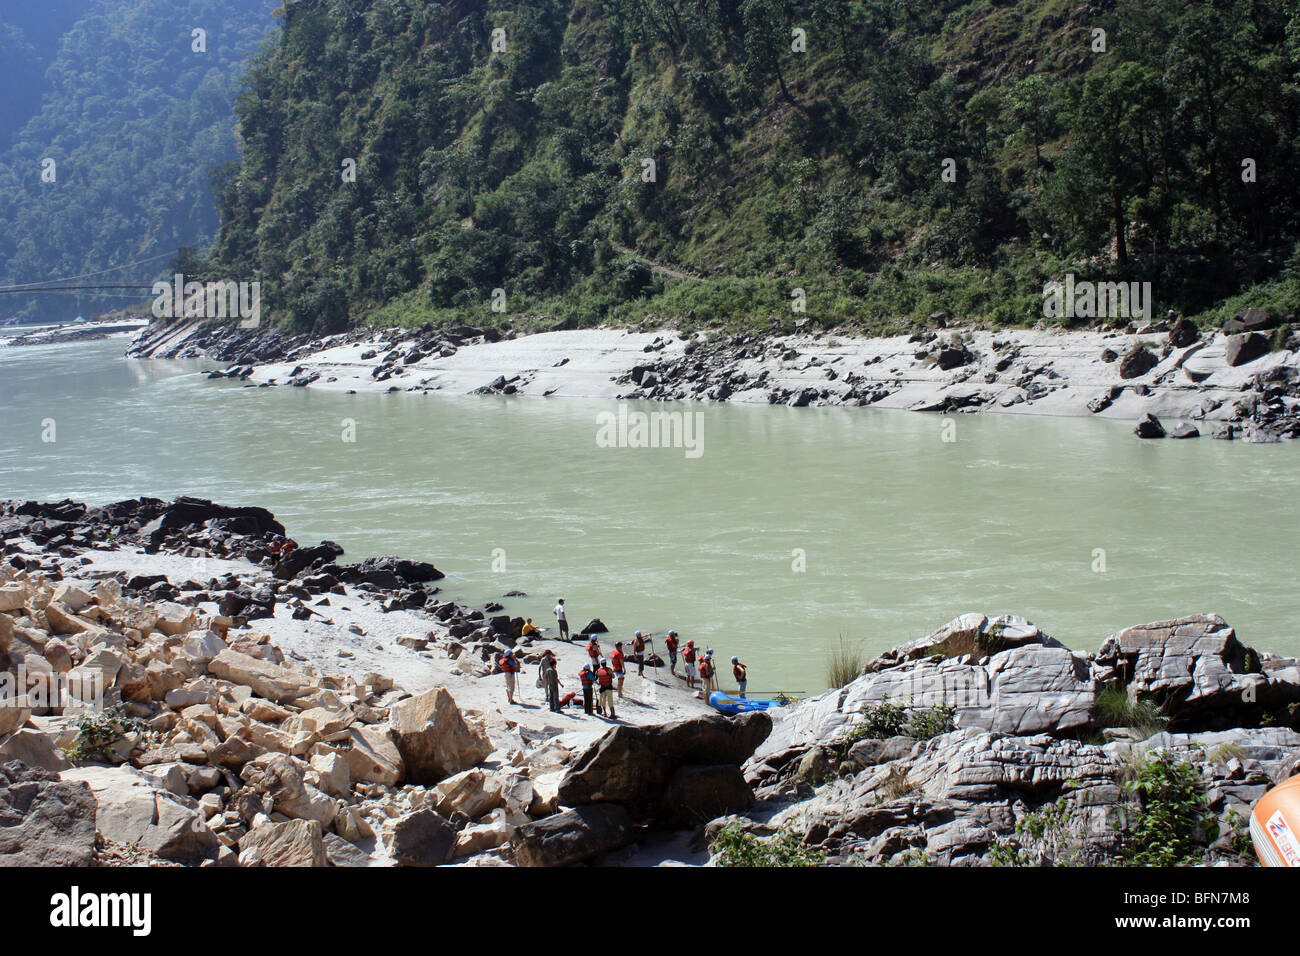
726,704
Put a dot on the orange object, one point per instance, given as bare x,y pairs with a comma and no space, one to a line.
1275,825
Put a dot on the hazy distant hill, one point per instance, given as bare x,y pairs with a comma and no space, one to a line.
134,119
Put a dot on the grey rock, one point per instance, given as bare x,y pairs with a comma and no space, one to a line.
43,820
574,836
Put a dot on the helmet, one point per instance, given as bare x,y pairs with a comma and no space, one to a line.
637,634
672,633
710,650
586,667
735,660
603,662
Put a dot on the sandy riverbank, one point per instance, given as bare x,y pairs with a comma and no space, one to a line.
1025,372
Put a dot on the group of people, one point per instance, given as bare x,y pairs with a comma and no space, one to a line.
278,546
602,678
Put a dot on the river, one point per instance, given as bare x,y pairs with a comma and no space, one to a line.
793,527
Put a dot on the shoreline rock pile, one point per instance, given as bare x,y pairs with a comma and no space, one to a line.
1030,734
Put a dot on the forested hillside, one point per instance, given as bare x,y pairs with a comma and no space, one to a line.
523,168
134,119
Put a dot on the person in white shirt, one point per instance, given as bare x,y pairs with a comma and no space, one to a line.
563,619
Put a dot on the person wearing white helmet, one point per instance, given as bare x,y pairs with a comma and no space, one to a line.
741,673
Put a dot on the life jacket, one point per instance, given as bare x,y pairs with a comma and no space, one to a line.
593,649
289,548
587,678
509,665
739,671
616,659
671,643
606,677
638,645
706,669
689,655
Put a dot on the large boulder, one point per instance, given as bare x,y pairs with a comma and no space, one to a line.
976,634
271,681
1197,670
44,821
372,757
1002,674
634,765
1183,334
433,738
1149,427
1137,361
1244,348
295,843
33,749
187,512
303,558
472,793
279,777
574,836
133,809
422,838
696,795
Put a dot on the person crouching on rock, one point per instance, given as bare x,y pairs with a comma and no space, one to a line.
588,678
529,629
740,672
619,671
509,665
605,678
670,642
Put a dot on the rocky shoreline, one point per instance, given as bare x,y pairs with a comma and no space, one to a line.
103,328
1243,378
317,712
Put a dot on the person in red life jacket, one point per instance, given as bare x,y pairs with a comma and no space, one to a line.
740,672
706,676
593,651
616,659
688,656
605,678
509,665
290,546
588,678
276,546
638,653
671,643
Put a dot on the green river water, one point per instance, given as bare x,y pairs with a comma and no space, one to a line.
899,531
